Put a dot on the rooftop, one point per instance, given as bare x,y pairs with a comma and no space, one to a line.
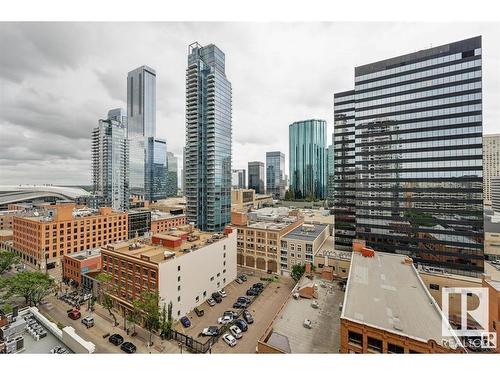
306,232
86,254
328,249
160,215
289,334
387,293
143,248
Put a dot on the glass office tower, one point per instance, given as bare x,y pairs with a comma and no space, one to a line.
208,139
330,173
171,175
141,109
238,179
156,169
418,150
110,176
344,170
275,174
307,143
256,176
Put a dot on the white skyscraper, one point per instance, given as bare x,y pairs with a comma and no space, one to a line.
491,163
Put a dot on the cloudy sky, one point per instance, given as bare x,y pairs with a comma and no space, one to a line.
58,79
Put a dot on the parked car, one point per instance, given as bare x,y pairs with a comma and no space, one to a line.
239,305
74,314
115,339
239,281
128,347
88,321
211,302
258,285
248,317
241,324
243,277
225,319
252,292
210,331
244,299
231,313
222,293
236,332
198,311
185,322
217,297
229,339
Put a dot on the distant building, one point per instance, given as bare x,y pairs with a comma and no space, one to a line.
275,174
495,194
77,264
307,164
330,173
139,223
43,235
256,176
208,139
163,221
156,169
172,184
110,163
238,179
246,199
491,163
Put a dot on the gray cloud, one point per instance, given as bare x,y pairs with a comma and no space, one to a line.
58,79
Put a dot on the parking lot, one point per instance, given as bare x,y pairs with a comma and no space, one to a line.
262,309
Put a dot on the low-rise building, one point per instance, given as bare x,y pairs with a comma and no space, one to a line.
43,235
388,309
77,264
6,219
166,264
321,216
259,236
247,199
163,221
332,264
139,223
299,245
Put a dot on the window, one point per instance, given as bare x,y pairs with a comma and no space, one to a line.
178,268
178,278
393,348
178,312
179,299
355,338
178,287
212,278
434,286
197,299
205,293
375,344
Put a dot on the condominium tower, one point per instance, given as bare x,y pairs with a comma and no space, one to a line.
208,139
256,176
171,175
417,156
238,179
307,142
110,175
491,163
275,174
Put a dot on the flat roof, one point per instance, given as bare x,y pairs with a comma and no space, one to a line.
289,333
306,232
85,254
327,248
386,293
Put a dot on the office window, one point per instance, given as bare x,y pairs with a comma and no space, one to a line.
355,338
374,344
434,286
396,349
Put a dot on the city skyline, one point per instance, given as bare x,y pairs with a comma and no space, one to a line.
50,103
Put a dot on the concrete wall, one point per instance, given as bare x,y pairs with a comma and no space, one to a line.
197,269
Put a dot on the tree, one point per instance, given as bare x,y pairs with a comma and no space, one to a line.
7,259
297,271
33,286
106,288
133,318
166,320
148,306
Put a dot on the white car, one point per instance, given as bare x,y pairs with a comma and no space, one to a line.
222,292
236,331
225,319
230,340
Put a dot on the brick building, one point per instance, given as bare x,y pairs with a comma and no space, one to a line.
162,221
78,264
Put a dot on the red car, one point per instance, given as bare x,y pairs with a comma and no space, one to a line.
74,314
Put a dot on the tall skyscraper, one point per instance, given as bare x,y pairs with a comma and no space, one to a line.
110,176
418,156
171,175
491,163
330,174
238,179
256,176
307,142
141,110
156,169
344,170
275,174
208,138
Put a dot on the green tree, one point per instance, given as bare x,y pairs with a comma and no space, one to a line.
133,318
297,271
106,287
166,320
148,306
33,286
7,259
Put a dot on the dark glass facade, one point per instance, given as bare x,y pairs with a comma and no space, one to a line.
256,176
275,174
139,223
418,156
